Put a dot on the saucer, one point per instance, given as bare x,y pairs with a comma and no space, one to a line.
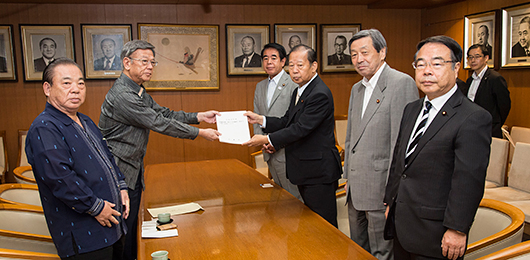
160,223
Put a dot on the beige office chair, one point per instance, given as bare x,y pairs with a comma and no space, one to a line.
24,174
22,159
341,127
518,134
20,194
518,188
3,157
497,225
24,228
495,175
260,164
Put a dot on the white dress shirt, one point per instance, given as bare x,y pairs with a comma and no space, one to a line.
369,86
476,82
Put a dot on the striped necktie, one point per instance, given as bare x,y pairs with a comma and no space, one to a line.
419,131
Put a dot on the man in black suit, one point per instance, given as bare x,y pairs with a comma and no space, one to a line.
109,61
249,58
487,88
306,131
483,34
439,166
48,47
340,58
520,49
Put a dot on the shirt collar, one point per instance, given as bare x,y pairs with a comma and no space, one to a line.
373,81
111,59
440,101
139,89
302,88
277,78
64,118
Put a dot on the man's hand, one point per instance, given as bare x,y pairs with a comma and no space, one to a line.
257,140
387,210
453,244
209,134
208,116
106,217
253,118
125,201
268,148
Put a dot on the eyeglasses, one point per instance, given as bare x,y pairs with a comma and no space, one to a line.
145,61
476,57
435,64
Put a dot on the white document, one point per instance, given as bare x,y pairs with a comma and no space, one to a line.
149,230
175,210
233,127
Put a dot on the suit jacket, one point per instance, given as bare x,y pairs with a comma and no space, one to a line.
494,96
334,60
254,62
370,140
307,133
99,64
279,105
39,64
443,183
518,50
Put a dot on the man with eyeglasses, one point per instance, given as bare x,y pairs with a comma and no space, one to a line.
487,88
375,110
521,48
339,57
440,159
127,116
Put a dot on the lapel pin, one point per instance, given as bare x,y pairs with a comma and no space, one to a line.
377,101
444,113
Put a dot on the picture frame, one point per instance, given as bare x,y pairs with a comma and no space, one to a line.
515,38
43,42
187,55
102,46
7,55
335,55
290,35
481,28
240,41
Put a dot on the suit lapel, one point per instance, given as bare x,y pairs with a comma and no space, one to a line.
305,94
279,88
443,116
356,114
482,85
408,126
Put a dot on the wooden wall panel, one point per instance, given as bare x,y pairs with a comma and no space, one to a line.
449,20
21,102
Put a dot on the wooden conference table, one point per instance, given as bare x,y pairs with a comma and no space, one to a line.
241,220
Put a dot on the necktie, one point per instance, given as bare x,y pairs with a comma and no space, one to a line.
107,67
419,131
297,98
246,62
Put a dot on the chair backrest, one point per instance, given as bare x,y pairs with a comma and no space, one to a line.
26,220
24,174
519,134
520,168
22,159
498,160
341,125
497,225
260,164
3,157
20,194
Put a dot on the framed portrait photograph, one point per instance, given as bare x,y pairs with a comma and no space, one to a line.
516,36
7,58
335,55
102,46
41,44
243,48
290,35
187,56
480,29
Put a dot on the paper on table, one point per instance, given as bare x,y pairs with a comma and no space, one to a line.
233,127
149,230
175,210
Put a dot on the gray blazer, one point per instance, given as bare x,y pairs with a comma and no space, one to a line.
370,141
279,104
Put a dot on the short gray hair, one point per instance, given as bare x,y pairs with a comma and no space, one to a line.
378,41
132,46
